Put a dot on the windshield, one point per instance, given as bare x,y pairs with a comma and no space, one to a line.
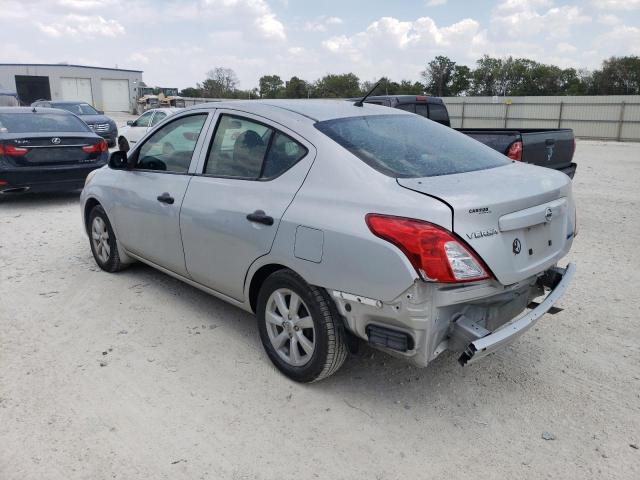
77,108
410,145
41,122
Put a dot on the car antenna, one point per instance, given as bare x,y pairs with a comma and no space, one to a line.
359,103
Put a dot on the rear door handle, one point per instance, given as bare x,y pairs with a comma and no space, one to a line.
166,198
260,217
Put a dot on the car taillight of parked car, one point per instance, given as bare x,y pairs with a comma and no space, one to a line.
99,147
515,151
435,253
11,151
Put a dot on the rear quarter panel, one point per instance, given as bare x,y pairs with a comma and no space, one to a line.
337,194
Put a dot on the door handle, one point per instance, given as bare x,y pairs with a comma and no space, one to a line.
166,198
260,217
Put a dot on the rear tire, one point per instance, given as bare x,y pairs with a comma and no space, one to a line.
300,328
103,241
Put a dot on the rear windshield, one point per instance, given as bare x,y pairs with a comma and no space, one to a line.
77,108
41,122
410,146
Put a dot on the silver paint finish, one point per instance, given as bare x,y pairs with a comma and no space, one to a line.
205,239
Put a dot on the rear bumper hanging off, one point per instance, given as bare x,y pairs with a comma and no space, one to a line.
511,331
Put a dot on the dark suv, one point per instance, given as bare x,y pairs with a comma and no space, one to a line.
97,121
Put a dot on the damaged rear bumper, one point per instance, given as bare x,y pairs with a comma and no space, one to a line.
511,331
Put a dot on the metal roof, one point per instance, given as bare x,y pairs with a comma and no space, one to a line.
65,65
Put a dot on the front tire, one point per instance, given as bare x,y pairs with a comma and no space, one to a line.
103,241
300,328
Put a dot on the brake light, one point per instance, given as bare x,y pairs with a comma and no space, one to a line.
99,147
11,151
436,254
515,151
421,98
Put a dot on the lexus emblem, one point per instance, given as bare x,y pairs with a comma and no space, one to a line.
55,140
548,214
517,246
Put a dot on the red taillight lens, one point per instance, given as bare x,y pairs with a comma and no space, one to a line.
99,147
11,151
435,253
515,151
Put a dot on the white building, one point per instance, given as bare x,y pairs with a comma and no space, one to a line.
108,89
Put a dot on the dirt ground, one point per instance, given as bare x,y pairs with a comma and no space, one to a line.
138,376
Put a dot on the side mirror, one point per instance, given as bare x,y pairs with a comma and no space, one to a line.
101,112
118,160
130,122
123,144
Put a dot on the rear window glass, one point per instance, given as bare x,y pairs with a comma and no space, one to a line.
77,108
438,113
40,122
410,146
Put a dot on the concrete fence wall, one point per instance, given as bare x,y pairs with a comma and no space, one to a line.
610,117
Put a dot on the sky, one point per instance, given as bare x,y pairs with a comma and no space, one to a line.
175,42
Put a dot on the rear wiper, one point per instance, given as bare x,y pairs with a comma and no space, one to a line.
359,103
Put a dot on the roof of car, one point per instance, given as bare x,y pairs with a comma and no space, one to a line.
316,110
406,98
31,110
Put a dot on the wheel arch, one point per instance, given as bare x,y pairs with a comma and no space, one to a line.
258,278
89,205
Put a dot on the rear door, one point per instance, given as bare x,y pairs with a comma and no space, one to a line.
232,210
548,148
147,199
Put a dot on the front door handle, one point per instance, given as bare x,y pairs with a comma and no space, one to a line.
166,198
260,217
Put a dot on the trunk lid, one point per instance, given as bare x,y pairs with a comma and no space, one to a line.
51,149
518,218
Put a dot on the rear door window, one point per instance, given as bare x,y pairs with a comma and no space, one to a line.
410,146
250,150
422,110
41,122
438,113
407,107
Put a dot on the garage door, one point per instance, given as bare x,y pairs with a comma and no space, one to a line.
115,95
76,89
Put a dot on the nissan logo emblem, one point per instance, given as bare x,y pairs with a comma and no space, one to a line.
548,214
55,140
517,246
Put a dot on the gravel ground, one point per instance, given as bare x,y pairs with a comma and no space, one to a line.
138,376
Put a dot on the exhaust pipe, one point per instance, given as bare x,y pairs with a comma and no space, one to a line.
14,190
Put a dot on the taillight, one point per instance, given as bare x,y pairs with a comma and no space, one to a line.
435,253
99,147
11,151
515,151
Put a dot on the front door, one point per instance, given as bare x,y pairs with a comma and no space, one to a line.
139,127
149,197
231,212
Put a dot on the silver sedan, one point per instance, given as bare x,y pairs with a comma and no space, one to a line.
339,224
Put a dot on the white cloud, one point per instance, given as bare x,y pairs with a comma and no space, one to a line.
519,18
616,4
321,24
622,35
609,19
138,58
435,3
72,25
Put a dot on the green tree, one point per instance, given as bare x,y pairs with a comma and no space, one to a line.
270,86
618,76
438,75
297,88
191,92
460,80
338,86
220,83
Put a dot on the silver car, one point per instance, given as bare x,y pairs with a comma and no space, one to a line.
338,224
